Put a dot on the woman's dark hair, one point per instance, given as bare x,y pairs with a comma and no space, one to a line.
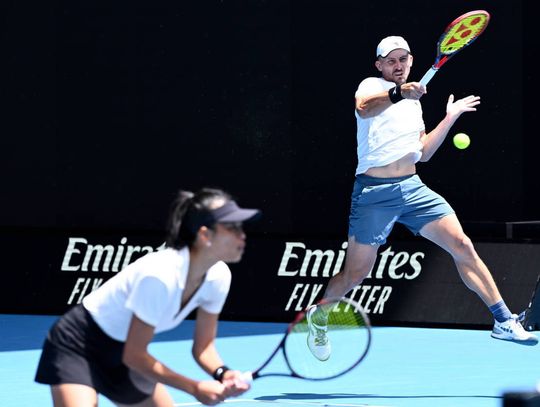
182,228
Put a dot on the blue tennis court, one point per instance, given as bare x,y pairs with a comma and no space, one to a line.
405,367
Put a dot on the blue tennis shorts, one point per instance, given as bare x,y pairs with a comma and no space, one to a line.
378,203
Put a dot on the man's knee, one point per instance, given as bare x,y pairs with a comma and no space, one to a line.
463,247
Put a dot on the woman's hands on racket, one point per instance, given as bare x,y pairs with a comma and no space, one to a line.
212,392
234,383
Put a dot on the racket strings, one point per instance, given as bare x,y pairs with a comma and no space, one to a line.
462,33
347,332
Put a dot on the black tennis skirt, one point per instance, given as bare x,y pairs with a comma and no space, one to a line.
76,350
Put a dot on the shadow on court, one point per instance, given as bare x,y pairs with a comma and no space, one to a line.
356,397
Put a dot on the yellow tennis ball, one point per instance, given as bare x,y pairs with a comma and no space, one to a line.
461,141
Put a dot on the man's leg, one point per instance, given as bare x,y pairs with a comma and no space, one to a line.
359,261
447,233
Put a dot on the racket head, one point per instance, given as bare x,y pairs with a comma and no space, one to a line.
462,32
349,333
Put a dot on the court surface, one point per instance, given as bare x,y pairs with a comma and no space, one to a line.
405,367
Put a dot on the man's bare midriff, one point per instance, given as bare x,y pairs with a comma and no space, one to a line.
404,166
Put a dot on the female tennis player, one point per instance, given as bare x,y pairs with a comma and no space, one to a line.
101,345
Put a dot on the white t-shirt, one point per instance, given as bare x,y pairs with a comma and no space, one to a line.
151,288
390,135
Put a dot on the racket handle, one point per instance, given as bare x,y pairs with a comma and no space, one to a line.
247,377
428,75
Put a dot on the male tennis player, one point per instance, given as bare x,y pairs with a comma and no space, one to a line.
391,139
101,345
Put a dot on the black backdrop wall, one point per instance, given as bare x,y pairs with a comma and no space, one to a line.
109,108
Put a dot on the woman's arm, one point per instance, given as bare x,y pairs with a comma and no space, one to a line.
136,357
205,352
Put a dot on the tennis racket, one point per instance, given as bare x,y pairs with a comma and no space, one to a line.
524,317
349,334
460,33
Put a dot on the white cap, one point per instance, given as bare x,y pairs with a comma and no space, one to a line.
391,43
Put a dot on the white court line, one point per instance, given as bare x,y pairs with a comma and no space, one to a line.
281,401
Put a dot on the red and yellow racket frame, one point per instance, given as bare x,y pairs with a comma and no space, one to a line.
459,33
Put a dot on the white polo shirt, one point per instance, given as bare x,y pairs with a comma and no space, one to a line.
390,135
152,288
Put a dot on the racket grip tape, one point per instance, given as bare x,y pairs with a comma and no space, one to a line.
428,75
247,377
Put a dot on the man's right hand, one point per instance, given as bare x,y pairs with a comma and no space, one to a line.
413,90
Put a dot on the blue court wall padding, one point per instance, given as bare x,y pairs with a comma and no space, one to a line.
412,282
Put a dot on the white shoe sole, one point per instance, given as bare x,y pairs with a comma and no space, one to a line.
528,342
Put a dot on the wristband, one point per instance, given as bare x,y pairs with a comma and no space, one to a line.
219,372
395,94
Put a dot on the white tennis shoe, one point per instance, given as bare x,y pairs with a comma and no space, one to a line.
317,340
511,330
